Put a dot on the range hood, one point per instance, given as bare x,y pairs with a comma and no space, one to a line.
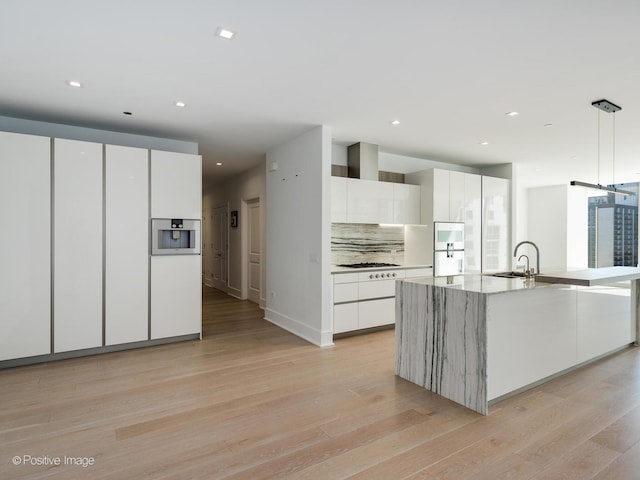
362,161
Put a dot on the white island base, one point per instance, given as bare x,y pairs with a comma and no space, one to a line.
477,339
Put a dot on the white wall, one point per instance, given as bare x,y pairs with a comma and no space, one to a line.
557,224
298,236
246,186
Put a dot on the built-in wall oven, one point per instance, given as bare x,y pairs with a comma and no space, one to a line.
448,248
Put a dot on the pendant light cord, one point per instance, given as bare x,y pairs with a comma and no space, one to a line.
598,113
613,181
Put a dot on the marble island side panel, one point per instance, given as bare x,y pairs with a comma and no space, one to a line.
446,355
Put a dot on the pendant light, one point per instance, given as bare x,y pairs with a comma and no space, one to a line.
608,107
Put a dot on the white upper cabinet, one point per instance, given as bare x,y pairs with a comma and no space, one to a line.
77,245
406,206
369,201
457,196
127,244
25,276
338,199
173,177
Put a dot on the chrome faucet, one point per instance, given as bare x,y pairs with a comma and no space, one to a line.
527,272
515,254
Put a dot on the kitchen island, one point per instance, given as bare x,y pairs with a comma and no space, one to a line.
476,339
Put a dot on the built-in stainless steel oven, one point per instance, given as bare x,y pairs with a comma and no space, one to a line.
448,251
175,236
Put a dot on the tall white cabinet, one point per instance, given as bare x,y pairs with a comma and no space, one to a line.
449,196
496,238
77,229
25,276
76,271
126,244
481,202
176,193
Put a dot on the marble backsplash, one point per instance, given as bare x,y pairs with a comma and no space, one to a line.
356,243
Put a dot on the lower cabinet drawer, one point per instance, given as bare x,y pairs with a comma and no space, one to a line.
345,317
345,292
381,288
374,313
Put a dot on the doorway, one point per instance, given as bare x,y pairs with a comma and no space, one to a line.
253,254
219,234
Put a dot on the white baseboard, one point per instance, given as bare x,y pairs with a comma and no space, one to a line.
311,335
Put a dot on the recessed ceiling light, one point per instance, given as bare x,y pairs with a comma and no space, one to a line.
484,143
180,104
74,83
395,122
219,164
511,114
127,113
548,124
225,33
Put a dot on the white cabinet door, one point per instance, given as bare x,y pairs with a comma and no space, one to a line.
369,201
127,244
345,317
496,250
176,298
25,276
374,313
77,282
531,334
338,199
472,223
457,196
604,320
406,204
176,185
441,210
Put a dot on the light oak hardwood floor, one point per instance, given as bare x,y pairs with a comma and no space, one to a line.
252,401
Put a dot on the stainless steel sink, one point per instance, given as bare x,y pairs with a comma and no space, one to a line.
509,274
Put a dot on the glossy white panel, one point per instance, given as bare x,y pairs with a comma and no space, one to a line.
374,313
604,320
77,245
472,223
457,196
496,247
440,196
369,201
345,292
345,278
339,199
25,276
406,208
530,335
380,288
176,185
176,298
345,317
127,245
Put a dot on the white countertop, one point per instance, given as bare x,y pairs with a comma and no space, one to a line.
591,276
480,283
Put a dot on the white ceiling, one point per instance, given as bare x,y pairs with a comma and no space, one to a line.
449,71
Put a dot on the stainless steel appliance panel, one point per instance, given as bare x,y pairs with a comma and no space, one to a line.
175,236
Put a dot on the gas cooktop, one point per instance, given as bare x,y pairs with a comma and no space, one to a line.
368,265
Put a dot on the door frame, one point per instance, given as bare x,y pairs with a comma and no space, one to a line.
244,246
